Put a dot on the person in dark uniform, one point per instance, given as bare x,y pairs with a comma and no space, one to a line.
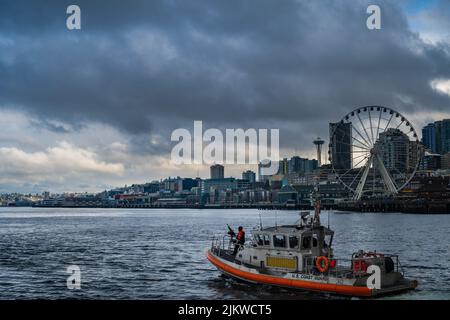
240,239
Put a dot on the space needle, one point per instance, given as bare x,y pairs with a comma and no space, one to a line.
319,142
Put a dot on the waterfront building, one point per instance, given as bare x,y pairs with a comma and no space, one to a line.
445,136
304,193
332,193
429,137
341,145
430,161
287,194
302,166
151,187
244,184
217,171
311,165
436,136
297,165
283,167
219,184
415,152
189,183
249,175
393,148
445,161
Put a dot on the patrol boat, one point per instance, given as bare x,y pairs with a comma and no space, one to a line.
300,256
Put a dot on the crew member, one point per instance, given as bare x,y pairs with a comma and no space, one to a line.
240,240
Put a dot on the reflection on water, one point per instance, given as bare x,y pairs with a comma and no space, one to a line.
159,253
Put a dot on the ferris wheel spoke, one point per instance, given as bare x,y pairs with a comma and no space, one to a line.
400,124
364,128
359,151
349,170
357,175
392,188
373,178
389,122
363,145
371,127
356,165
378,126
357,131
361,155
362,182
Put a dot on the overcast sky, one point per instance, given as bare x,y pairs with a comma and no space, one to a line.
94,108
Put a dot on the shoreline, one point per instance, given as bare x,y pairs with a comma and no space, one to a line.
427,209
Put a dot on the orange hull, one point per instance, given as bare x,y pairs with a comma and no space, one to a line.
290,283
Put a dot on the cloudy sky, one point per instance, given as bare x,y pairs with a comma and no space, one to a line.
94,108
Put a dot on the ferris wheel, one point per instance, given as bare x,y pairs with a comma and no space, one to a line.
374,151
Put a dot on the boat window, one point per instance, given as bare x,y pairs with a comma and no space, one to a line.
259,240
266,240
306,242
315,241
279,241
327,242
293,242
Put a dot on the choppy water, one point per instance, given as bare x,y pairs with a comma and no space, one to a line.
159,253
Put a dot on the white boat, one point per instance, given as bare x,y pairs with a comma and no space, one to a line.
300,256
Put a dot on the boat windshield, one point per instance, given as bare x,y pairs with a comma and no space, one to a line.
262,240
327,241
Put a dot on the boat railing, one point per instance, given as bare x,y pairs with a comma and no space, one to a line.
345,268
222,243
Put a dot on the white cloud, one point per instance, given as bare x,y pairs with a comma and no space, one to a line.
441,86
64,158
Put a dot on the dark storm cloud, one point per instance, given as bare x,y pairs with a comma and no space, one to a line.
150,67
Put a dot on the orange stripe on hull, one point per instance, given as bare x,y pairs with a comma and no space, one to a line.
292,283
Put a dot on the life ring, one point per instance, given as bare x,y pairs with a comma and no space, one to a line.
322,264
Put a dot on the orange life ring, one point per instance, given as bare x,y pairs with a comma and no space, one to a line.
322,267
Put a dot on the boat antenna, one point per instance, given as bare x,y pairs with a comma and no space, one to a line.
276,216
316,199
260,220
328,219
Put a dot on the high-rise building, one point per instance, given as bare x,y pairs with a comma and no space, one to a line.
430,161
445,136
445,161
341,145
429,137
438,131
415,152
436,136
249,176
283,167
393,147
298,165
295,165
311,165
217,171
189,183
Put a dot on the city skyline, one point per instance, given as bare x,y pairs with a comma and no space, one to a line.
93,109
